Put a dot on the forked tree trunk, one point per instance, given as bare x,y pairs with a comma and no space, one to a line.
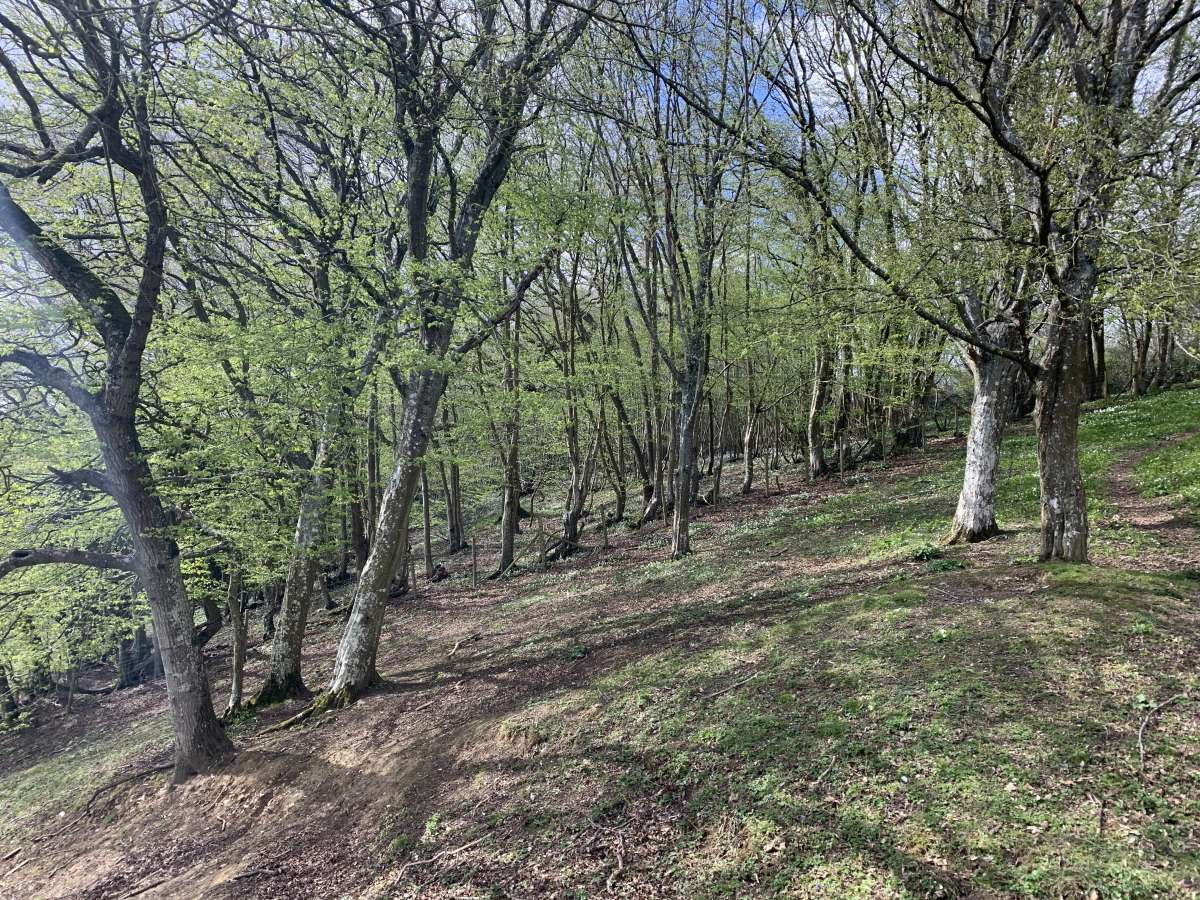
1060,392
285,680
991,403
582,471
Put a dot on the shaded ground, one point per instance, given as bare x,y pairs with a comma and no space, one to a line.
819,702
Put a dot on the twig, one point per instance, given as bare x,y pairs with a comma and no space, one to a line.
1145,722
17,868
10,854
249,873
827,770
424,862
147,887
620,862
730,687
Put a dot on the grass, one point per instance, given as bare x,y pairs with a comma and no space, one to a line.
821,702
63,781
1173,472
961,727
899,743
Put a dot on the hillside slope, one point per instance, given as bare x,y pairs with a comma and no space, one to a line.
819,702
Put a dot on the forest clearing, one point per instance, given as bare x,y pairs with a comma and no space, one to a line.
593,448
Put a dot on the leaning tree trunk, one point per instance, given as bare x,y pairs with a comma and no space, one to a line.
200,742
354,669
1060,392
582,471
995,377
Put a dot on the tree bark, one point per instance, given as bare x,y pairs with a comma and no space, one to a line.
200,742
991,403
426,536
237,622
689,404
354,668
817,467
1056,418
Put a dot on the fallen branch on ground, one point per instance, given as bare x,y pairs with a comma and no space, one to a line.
730,687
424,862
1146,721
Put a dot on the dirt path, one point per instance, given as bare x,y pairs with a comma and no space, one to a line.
1176,535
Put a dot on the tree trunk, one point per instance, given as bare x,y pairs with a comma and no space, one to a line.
1056,418
200,742
991,403
284,680
816,439
456,534
1098,384
1162,370
582,469
689,404
358,530
8,701
510,511
373,479
237,621
354,669
426,536
748,451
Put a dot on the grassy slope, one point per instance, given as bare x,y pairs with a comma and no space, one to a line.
962,728
819,702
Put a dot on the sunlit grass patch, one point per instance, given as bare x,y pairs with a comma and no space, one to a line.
66,779
1174,472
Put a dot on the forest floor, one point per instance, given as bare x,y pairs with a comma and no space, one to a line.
820,702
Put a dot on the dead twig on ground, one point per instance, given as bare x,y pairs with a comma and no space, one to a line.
1146,721
730,687
454,851
142,890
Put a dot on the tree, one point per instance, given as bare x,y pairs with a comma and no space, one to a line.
431,67
111,60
